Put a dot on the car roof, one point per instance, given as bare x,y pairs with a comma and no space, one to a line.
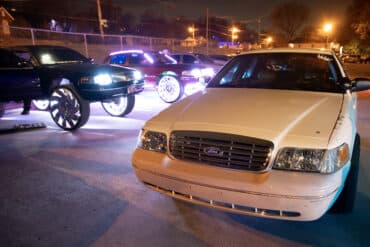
37,46
290,50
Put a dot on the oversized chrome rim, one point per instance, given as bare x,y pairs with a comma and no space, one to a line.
65,108
117,106
169,88
41,105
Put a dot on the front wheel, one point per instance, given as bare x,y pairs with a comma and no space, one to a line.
119,107
41,105
169,89
68,110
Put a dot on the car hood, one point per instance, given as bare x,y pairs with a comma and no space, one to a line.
85,68
286,117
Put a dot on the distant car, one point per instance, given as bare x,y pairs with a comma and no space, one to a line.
365,58
350,58
196,58
69,80
172,80
273,135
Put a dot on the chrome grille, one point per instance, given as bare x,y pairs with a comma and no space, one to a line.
225,150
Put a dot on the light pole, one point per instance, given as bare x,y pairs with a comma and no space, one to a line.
192,31
98,6
269,41
234,31
328,27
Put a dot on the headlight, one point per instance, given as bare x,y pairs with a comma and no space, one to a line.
107,79
153,141
208,72
127,76
137,75
197,73
312,160
103,79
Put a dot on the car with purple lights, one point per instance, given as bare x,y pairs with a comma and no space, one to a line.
160,70
196,58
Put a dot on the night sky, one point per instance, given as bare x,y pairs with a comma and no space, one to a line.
321,10
241,9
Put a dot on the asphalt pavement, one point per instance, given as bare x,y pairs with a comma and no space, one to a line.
61,188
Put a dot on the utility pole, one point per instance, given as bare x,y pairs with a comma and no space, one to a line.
207,31
259,32
100,18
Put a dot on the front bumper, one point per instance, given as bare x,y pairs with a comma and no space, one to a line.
100,93
275,194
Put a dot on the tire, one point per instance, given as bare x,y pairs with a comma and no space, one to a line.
2,109
68,110
41,105
119,107
169,89
346,200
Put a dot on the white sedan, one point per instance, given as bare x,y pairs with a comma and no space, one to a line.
273,135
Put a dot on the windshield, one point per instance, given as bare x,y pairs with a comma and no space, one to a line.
291,71
204,58
59,55
160,58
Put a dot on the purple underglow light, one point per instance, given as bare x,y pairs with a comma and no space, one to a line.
126,51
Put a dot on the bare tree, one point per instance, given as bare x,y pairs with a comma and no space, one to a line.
289,18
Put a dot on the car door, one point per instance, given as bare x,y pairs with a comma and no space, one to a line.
18,78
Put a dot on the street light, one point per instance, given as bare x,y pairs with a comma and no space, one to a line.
328,27
234,31
191,30
268,40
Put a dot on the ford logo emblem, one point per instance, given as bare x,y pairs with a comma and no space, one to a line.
213,151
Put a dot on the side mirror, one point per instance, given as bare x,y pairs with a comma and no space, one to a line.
91,60
360,84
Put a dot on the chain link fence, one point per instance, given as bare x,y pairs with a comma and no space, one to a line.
98,47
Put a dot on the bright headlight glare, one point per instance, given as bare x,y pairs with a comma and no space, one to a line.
208,72
153,141
103,79
137,75
312,160
196,73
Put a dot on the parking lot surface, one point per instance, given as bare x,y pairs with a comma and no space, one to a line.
78,188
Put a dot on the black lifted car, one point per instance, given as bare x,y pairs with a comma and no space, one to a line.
68,80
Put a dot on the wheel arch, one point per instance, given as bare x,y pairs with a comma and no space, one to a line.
59,81
168,73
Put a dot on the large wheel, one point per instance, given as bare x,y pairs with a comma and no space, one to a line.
68,110
169,89
119,107
41,105
346,200
2,109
